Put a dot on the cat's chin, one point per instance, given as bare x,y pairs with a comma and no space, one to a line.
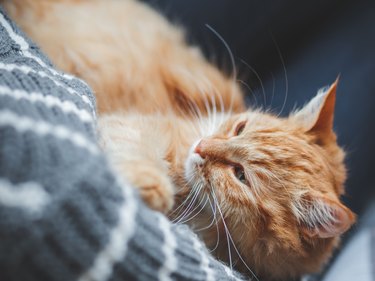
192,165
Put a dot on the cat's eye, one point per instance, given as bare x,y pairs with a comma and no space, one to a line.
240,127
240,174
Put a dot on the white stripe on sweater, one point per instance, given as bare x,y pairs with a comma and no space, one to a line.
24,124
26,70
25,48
168,248
29,196
119,237
205,262
50,101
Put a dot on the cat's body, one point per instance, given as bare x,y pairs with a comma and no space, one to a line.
176,128
113,47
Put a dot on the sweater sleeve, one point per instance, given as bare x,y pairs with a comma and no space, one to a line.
64,215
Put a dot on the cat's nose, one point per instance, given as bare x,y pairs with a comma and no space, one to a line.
213,148
199,148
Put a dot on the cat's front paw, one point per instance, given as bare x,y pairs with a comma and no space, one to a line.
154,187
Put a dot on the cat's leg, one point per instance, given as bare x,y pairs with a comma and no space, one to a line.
137,161
150,178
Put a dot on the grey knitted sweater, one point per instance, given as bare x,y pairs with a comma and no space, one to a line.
63,213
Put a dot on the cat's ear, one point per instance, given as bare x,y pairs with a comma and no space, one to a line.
317,115
323,217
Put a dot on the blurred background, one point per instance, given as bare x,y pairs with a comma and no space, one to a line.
284,52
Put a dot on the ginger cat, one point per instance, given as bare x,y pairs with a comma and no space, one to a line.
262,191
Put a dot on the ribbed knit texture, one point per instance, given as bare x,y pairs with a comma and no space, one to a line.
63,214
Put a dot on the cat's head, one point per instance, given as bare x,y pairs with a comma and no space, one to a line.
277,182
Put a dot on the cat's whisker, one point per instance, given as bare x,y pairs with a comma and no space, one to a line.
259,79
221,115
225,228
192,193
216,97
193,125
213,122
196,214
202,92
194,113
188,210
194,108
197,126
181,205
285,74
208,113
217,227
214,113
230,239
251,91
214,221
195,190
239,255
221,102
273,87
191,196
210,117
198,116
233,63
213,217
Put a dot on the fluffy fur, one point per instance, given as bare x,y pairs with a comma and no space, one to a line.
118,45
262,191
